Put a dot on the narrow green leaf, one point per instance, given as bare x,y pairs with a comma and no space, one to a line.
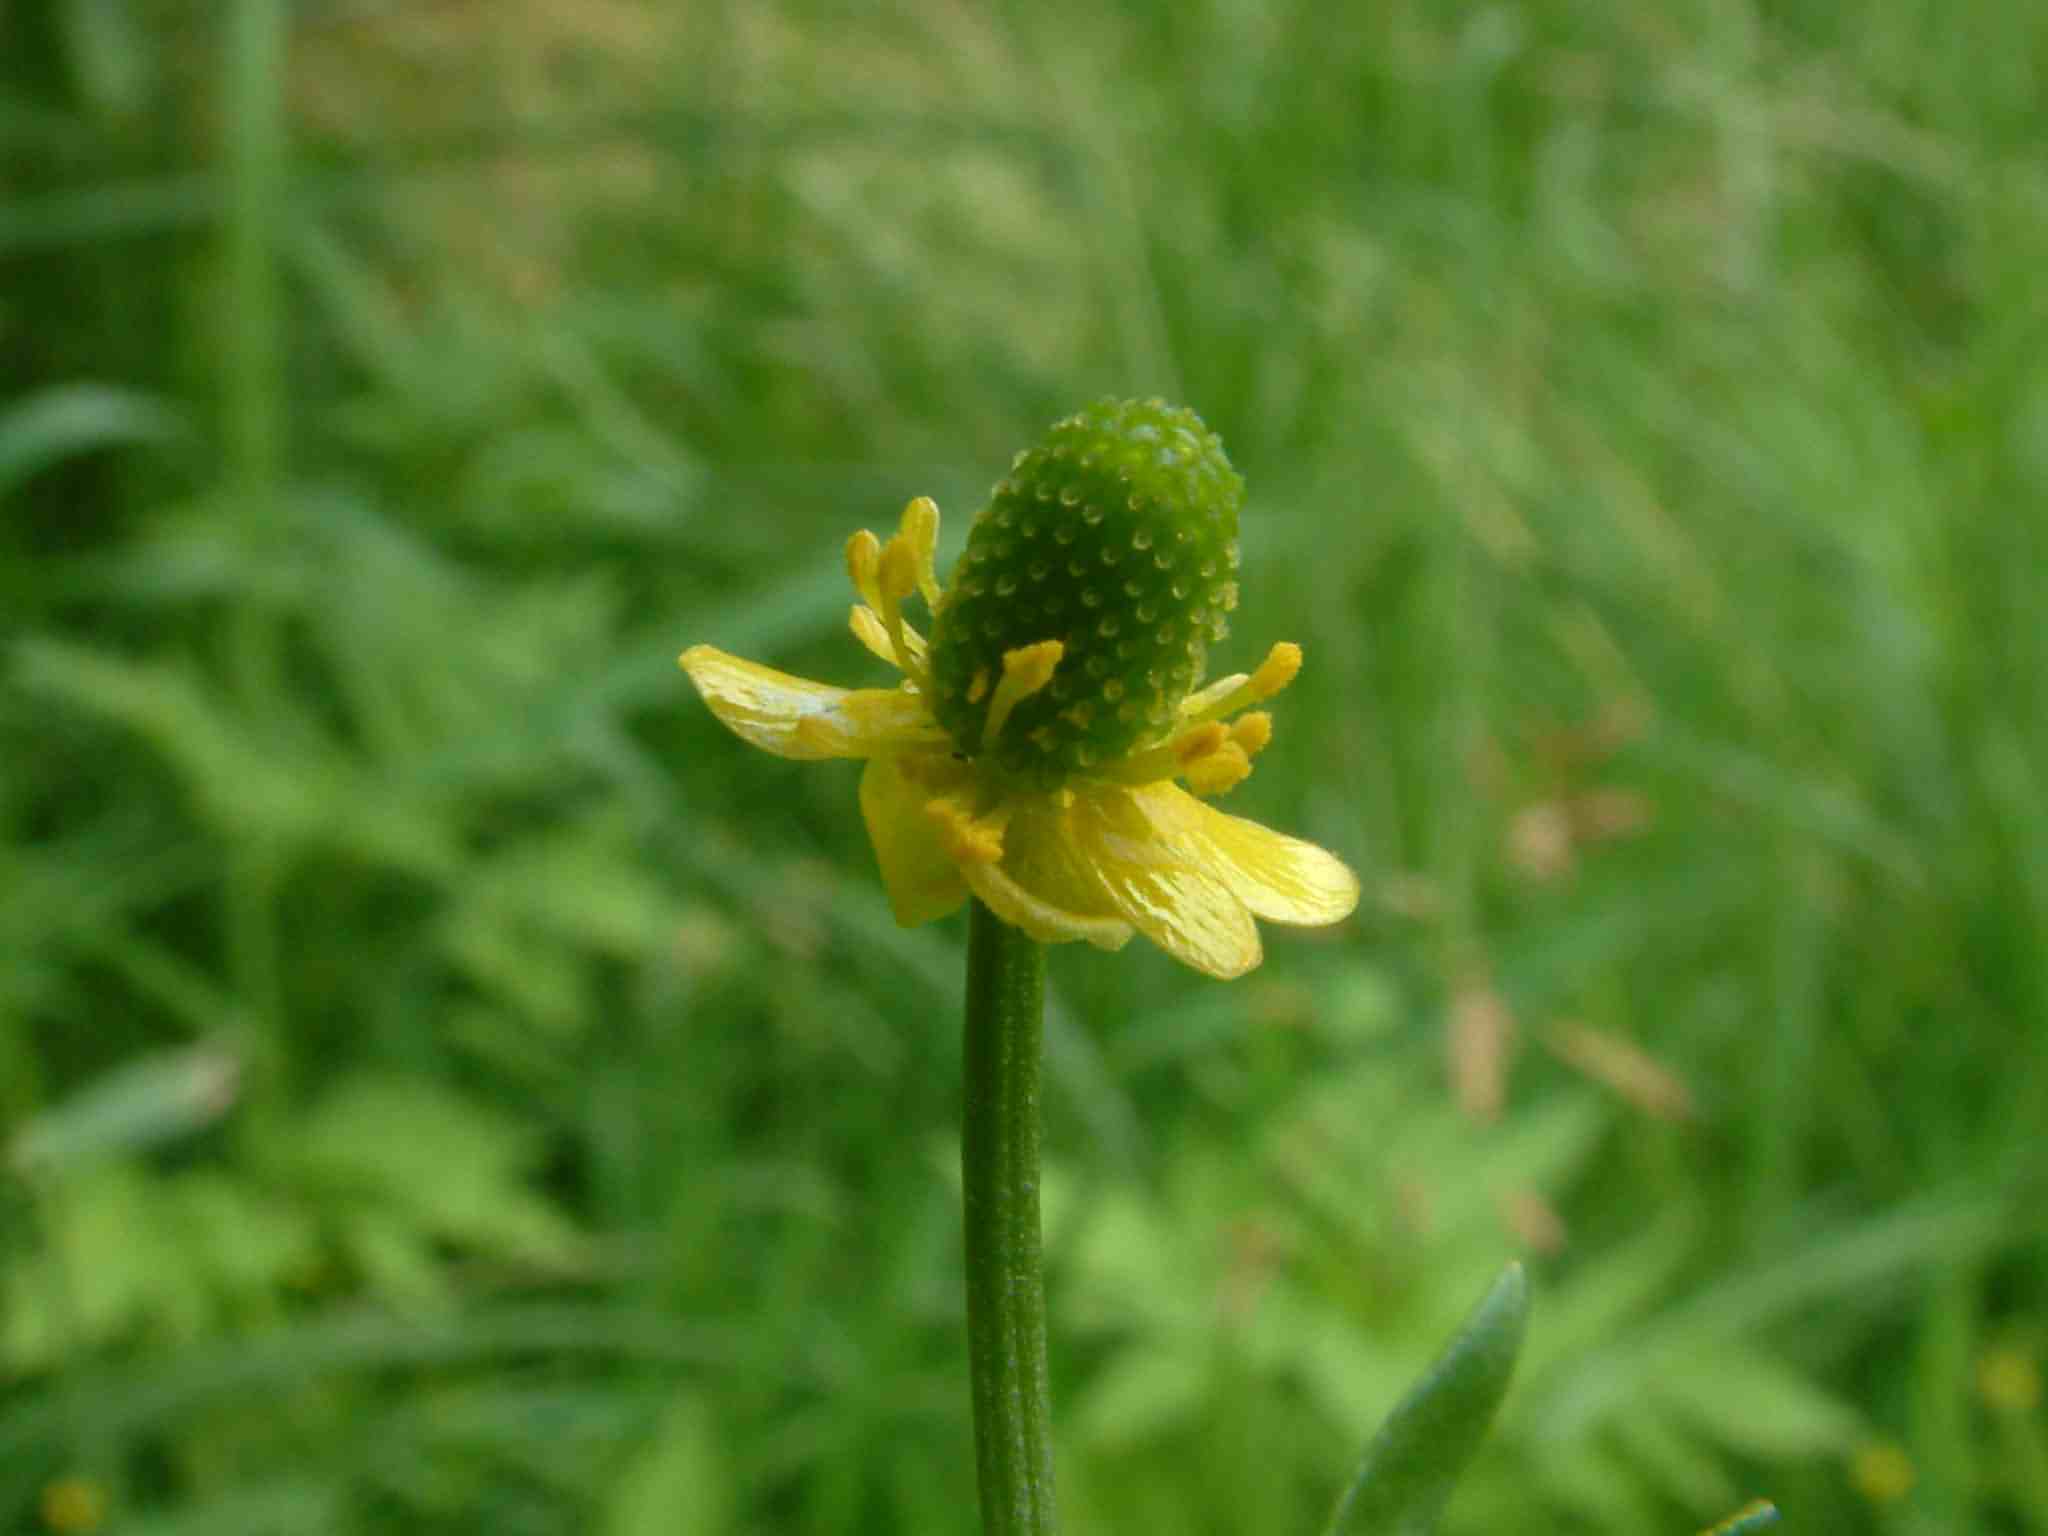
677,1484
1414,1461
111,61
287,1507
72,419
154,1099
1756,1406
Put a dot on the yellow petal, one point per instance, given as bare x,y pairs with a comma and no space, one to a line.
794,717
1160,879
1281,878
1043,921
1043,885
922,882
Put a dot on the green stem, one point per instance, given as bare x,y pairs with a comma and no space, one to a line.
1005,1280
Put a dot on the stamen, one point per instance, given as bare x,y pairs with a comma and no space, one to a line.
1210,755
1171,757
1225,768
898,571
1199,704
1025,671
870,632
920,531
895,579
1281,666
1253,732
863,559
1199,742
968,839
1228,695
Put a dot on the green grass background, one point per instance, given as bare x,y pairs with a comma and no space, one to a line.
447,1084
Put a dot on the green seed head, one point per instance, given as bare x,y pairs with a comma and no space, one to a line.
1117,537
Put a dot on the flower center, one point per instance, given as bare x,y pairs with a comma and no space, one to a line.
1116,540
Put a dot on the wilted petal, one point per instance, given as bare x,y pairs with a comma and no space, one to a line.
922,882
1161,881
794,717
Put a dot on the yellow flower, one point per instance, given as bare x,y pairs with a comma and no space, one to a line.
74,1504
1882,1472
2009,1380
1118,848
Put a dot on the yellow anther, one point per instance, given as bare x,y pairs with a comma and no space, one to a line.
1171,757
1198,742
1211,759
898,570
885,575
1224,769
1227,695
966,838
978,689
1281,666
1025,671
863,559
1253,732
920,531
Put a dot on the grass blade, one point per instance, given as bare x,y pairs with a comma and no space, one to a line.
1414,1461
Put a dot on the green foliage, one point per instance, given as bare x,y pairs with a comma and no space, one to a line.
1414,1461
446,1086
675,1485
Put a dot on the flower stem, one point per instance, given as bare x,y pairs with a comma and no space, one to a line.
1005,1283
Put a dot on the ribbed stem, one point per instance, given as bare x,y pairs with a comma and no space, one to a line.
1005,1282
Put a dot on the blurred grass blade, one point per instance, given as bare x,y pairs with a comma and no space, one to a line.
1749,1518
287,1507
60,423
1415,1459
153,1100
676,1484
365,1342
110,54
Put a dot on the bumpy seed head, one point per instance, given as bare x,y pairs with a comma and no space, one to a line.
1117,538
